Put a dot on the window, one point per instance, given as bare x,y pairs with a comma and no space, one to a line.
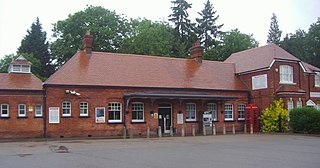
38,110
114,112
21,68
317,79
290,104
4,110
286,74
191,112
228,112
241,111
213,108
137,112
299,103
22,110
66,109
84,109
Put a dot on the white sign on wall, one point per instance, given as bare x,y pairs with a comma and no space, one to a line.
260,82
315,94
179,118
54,115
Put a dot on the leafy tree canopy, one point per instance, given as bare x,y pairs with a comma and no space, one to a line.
4,63
274,35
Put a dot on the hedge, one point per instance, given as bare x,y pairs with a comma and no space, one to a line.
305,120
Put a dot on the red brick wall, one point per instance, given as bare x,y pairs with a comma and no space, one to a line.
15,127
100,97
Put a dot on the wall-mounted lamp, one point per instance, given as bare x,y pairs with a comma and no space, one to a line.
72,92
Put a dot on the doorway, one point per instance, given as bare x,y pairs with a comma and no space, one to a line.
165,117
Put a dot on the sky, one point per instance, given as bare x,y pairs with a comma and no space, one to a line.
249,16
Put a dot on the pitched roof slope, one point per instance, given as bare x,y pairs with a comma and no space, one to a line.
258,58
16,81
114,69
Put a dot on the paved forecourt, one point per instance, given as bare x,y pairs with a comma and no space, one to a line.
248,151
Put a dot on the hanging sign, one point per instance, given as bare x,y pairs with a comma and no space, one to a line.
179,118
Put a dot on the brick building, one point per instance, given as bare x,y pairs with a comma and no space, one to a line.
105,94
21,102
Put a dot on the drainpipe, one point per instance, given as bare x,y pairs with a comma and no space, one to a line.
44,113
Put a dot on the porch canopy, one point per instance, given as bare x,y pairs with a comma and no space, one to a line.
178,96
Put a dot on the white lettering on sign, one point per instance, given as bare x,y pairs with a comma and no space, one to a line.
259,82
315,94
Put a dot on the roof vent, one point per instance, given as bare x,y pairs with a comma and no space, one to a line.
87,42
196,51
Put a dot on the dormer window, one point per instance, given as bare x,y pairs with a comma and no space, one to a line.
317,79
286,74
20,65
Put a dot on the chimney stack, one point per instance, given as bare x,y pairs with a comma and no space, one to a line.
87,42
196,52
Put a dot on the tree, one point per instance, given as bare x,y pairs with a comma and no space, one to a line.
313,44
207,28
274,35
296,44
232,41
275,117
107,28
149,38
184,30
4,63
35,43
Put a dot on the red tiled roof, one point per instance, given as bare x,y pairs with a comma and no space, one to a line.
289,89
257,58
310,68
19,81
114,69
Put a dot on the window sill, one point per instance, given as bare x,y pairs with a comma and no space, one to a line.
38,117
66,117
84,117
229,120
287,83
115,122
191,121
240,120
5,117
138,122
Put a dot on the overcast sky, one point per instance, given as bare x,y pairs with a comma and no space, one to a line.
249,16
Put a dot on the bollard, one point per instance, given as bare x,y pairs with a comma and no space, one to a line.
171,131
204,131
251,129
214,129
159,132
224,129
245,128
148,132
233,129
182,131
193,130
124,133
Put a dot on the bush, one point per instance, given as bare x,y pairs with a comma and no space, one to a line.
305,120
275,117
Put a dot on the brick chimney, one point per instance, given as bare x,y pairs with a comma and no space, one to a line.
87,42
196,52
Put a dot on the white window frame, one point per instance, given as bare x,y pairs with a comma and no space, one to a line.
21,68
38,110
24,110
84,108
228,107
4,115
115,107
290,105
190,110
286,74
317,79
241,111
66,108
137,107
299,103
213,108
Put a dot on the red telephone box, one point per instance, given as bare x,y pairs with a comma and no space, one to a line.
252,115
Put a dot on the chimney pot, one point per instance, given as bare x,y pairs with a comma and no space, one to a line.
87,42
196,51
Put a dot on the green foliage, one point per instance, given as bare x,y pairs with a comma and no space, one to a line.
35,43
232,41
274,35
305,120
4,63
149,38
313,44
275,117
108,29
207,28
